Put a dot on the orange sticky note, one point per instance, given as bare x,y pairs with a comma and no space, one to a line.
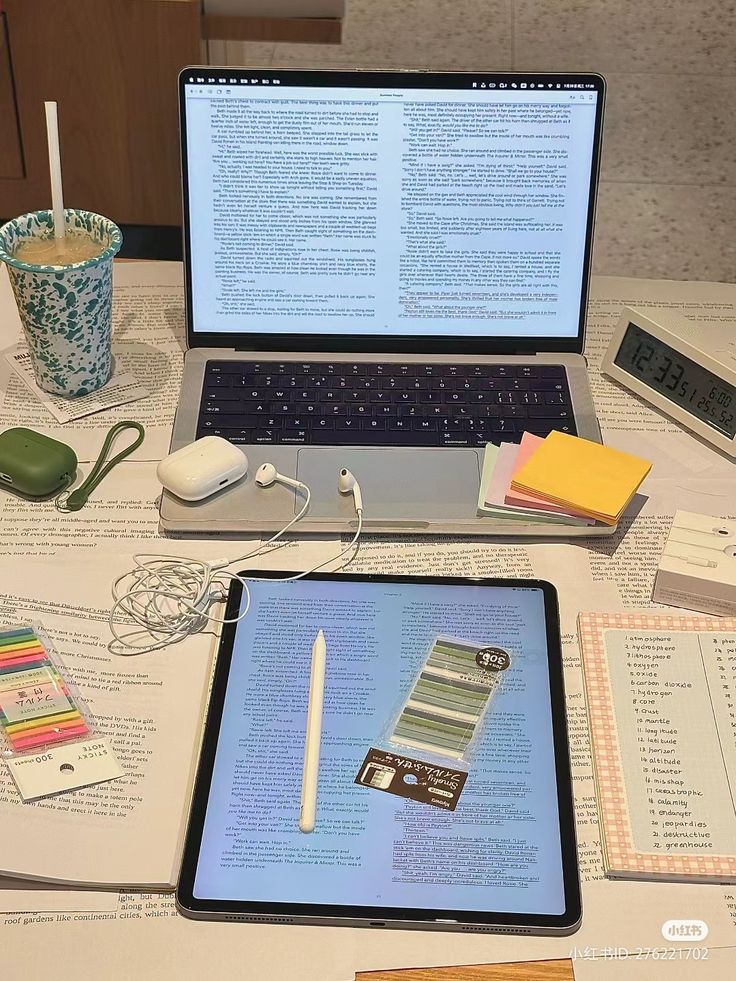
528,446
584,476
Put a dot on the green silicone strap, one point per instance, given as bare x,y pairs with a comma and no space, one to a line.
78,498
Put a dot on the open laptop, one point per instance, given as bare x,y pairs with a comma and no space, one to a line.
384,272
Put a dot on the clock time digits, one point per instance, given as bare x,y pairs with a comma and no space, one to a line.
682,381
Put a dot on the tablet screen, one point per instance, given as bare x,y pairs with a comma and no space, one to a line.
500,850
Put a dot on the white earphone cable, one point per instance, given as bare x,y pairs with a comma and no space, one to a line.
168,597
275,538
723,549
353,541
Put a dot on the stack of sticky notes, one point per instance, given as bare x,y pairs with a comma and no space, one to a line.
495,498
582,477
36,707
516,497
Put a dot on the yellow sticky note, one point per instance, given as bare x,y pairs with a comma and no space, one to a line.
583,475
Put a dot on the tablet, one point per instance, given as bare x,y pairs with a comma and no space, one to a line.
504,860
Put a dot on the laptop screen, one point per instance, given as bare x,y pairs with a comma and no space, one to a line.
391,205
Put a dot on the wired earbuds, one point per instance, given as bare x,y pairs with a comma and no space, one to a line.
347,484
720,538
267,474
164,599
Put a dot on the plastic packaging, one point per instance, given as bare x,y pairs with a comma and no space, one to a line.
38,707
444,711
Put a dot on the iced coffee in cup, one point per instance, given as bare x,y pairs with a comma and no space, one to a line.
63,288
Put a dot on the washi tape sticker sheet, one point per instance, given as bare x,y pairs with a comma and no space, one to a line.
450,696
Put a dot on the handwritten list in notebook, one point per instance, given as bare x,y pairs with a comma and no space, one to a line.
661,695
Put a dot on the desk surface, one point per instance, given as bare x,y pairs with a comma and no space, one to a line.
613,574
528,971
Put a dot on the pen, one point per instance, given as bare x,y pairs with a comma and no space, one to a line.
310,776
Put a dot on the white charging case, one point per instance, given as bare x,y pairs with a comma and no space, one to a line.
201,469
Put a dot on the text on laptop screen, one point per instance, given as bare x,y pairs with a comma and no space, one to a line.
395,211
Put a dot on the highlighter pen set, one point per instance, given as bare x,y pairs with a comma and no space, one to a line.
37,709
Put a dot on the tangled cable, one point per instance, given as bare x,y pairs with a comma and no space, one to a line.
164,599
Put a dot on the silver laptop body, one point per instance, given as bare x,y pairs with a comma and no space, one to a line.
360,228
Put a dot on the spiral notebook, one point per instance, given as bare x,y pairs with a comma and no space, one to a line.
661,696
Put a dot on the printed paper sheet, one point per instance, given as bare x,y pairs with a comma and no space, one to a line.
594,574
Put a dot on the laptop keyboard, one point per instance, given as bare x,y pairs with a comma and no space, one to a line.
342,403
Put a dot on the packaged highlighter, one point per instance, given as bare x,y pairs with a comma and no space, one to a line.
45,728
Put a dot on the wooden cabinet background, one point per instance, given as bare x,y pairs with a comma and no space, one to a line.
111,65
11,154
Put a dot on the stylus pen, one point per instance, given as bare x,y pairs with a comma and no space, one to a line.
310,776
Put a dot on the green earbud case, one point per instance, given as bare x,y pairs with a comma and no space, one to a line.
33,464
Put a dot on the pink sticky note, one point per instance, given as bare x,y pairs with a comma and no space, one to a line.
527,447
48,736
502,473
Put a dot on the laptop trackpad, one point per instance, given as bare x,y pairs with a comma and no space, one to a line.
401,485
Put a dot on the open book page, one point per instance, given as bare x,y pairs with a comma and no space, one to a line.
148,343
128,831
37,897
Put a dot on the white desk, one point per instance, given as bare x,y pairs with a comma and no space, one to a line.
602,574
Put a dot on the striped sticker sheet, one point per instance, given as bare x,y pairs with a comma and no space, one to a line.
450,696
36,707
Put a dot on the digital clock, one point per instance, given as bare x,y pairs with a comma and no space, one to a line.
687,370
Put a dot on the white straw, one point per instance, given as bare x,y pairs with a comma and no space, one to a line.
57,197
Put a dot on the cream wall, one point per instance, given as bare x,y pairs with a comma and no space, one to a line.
667,203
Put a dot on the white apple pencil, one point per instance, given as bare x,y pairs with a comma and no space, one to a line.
310,776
